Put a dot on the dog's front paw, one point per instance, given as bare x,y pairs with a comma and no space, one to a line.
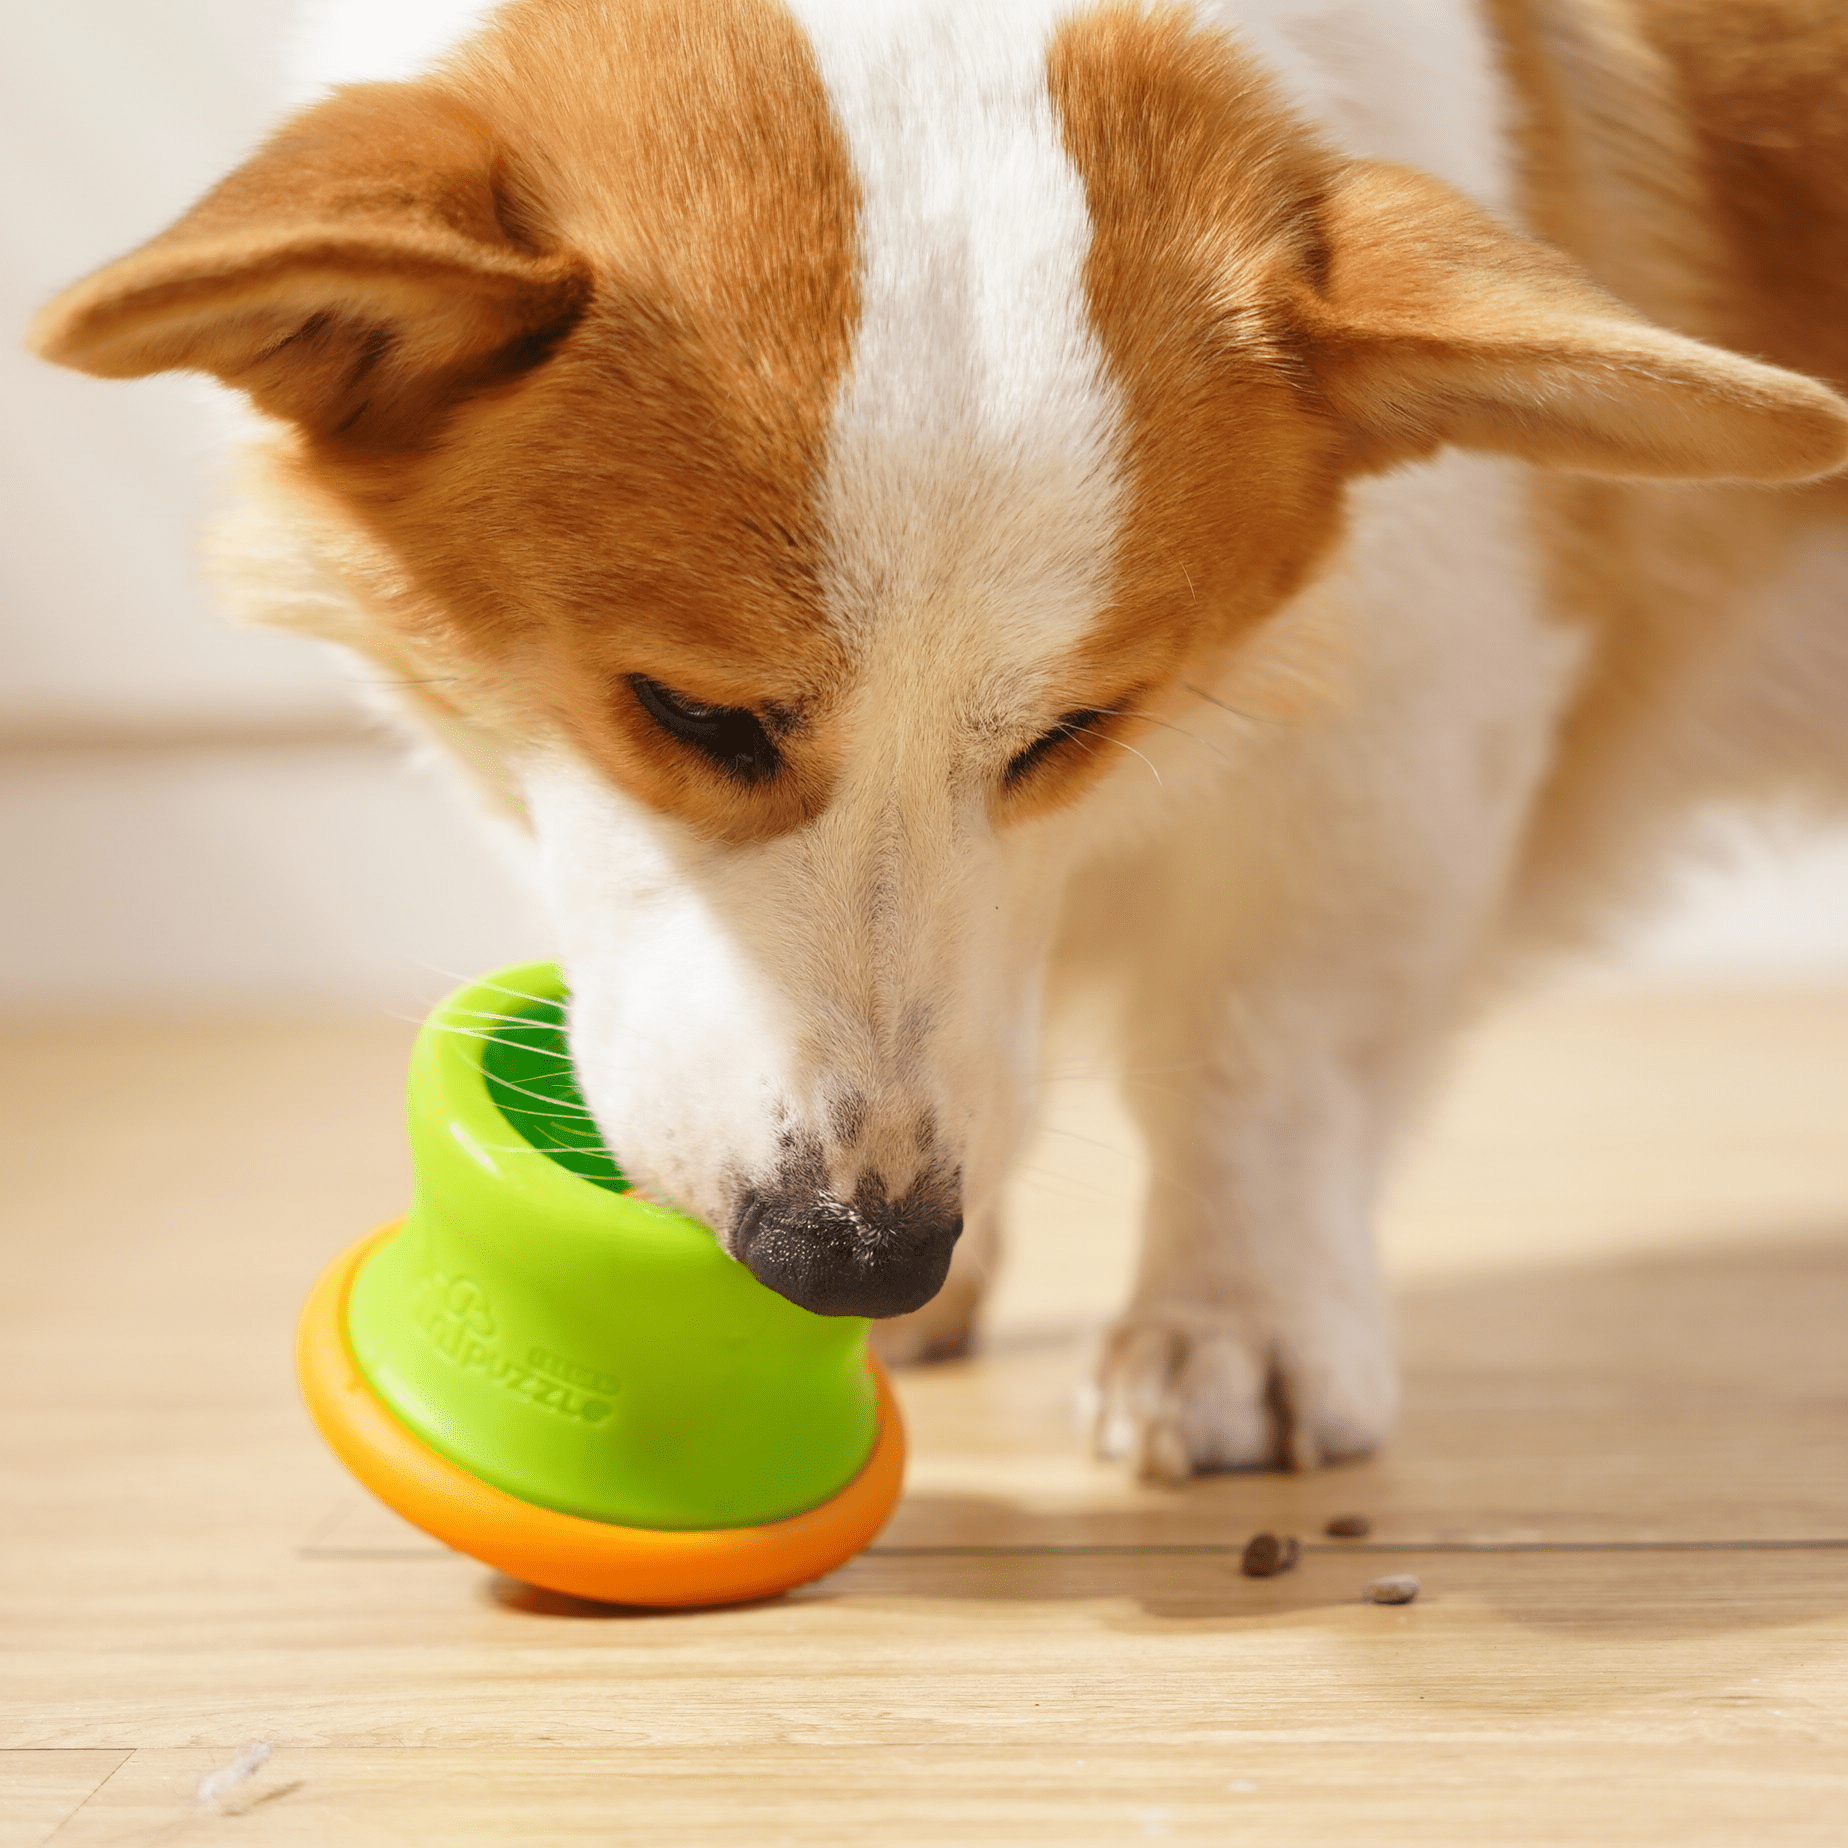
1183,1388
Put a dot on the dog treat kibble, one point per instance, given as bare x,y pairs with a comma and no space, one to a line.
1348,1527
1268,1554
1399,1588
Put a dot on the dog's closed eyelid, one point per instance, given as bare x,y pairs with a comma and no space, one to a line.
732,737
1071,725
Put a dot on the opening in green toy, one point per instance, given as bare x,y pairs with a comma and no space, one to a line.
526,1061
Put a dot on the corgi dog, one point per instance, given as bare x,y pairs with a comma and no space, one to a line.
1257,518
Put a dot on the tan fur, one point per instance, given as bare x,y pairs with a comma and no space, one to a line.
360,276
1235,259
1761,83
1607,156
1690,154
389,269
1203,192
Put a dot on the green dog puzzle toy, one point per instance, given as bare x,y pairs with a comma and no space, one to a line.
568,1382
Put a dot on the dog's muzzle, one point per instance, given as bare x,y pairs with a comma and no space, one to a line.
864,1256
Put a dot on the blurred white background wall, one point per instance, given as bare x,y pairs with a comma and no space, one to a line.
190,814
193,815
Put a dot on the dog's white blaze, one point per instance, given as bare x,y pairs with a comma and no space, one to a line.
972,493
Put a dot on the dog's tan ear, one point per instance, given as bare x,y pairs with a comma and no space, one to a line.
362,271
1436,324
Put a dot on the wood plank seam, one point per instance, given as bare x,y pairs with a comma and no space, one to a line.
1232,1549
85,1802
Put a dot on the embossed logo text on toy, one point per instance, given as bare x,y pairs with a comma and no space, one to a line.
454,1312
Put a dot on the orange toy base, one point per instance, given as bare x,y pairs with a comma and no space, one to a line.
565,1552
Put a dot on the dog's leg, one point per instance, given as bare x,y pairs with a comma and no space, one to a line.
1293,990
1297,947
1258,1332
945,1327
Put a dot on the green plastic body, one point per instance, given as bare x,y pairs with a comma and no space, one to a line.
571,1343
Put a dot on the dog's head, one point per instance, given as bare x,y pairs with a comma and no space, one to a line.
807,461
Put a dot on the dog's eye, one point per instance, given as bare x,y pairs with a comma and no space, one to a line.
1072,725
732,736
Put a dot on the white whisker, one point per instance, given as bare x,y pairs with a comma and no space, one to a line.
1150,718
499,988
1105,738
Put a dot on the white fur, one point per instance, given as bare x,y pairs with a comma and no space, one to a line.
1295,920
972,467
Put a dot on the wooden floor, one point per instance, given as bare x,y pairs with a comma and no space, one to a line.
1622,1479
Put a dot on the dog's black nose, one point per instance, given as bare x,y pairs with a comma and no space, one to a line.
866,1256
